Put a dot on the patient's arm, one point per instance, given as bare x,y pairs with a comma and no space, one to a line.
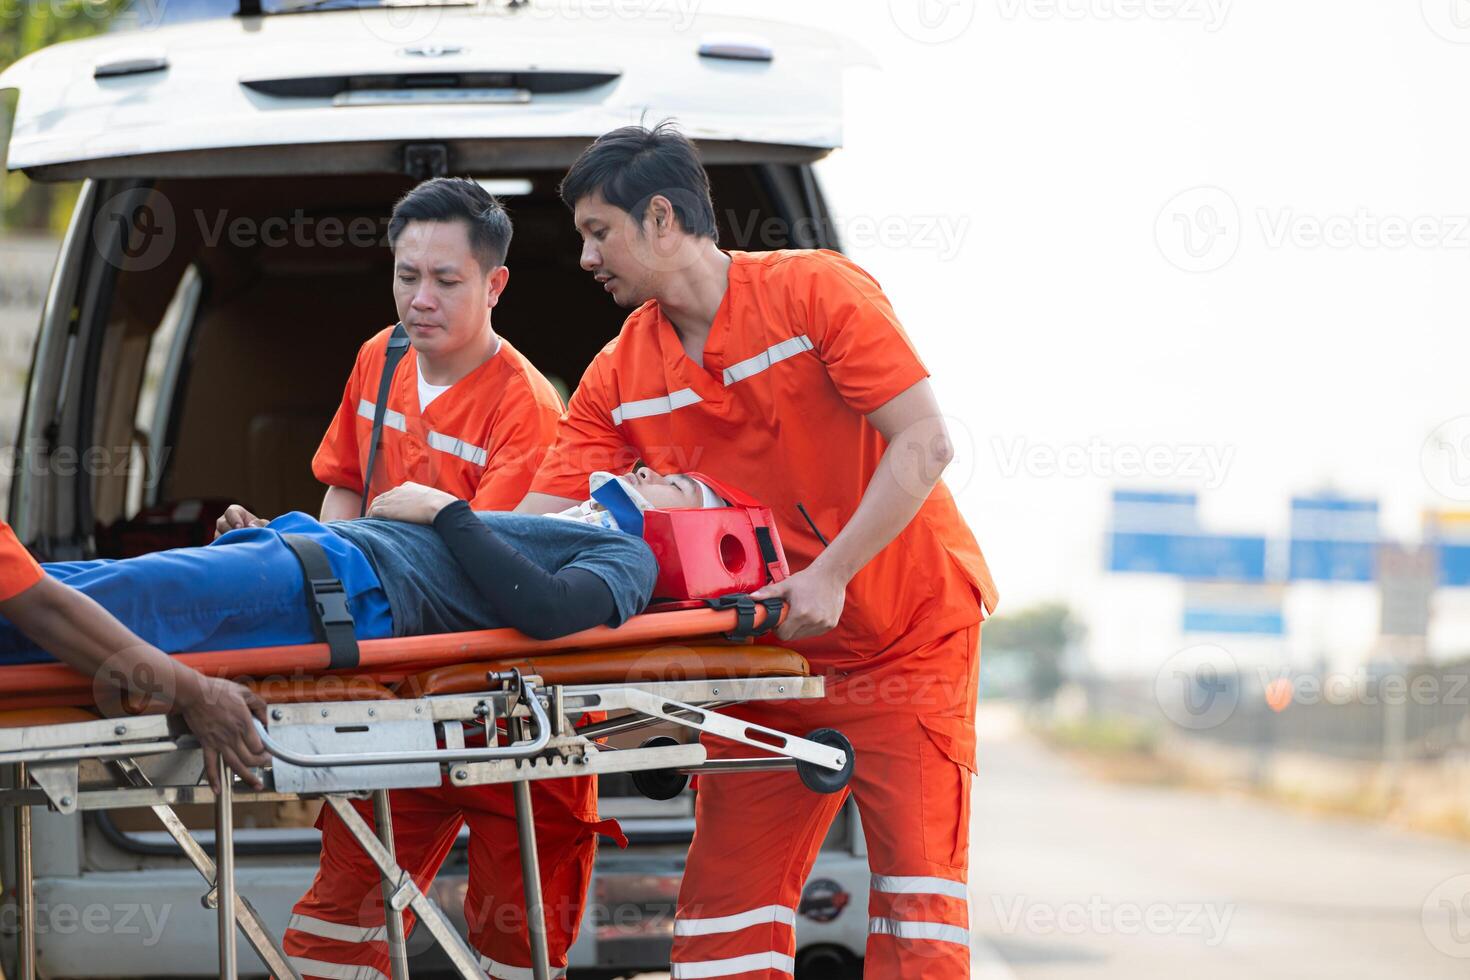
544,503
522,593
341,504
79,632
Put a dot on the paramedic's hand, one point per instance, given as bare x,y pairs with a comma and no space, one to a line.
236,517
220,713
413,503
814,599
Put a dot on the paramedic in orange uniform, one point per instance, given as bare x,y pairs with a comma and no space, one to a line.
79,632
469,415
788,374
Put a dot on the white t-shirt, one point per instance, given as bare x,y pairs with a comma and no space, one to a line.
428,392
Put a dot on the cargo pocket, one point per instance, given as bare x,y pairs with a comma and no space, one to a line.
946,771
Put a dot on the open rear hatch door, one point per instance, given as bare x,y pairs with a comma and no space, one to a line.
349,91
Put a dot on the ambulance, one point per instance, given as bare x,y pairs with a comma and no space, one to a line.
226,258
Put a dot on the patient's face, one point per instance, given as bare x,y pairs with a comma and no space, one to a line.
665,492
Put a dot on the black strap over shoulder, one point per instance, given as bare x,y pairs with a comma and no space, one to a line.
744,607
327,600
397,347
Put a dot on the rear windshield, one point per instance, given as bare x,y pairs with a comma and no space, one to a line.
139,14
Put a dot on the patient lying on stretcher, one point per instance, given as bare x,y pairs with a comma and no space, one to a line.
420,563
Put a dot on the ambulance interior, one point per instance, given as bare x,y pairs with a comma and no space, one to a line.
222,364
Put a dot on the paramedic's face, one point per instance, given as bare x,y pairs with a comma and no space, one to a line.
443,296
665,492
616,250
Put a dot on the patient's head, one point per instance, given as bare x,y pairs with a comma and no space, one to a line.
670,492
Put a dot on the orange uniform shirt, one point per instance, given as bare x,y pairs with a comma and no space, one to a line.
481,440
802,348
18,570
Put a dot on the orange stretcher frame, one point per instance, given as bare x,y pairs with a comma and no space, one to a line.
57,685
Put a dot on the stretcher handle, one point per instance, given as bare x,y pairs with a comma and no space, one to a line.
519,750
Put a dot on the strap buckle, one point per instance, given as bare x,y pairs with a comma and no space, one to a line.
744,607
331,602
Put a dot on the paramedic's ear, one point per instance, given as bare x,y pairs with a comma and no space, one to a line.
660,214
497,278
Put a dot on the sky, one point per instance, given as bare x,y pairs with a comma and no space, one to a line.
1175,244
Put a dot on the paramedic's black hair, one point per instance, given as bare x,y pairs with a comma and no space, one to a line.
457,199
630,165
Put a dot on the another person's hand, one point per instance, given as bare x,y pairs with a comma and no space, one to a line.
221,715
413,503
814,600
236,517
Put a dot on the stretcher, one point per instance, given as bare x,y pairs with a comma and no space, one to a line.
475,708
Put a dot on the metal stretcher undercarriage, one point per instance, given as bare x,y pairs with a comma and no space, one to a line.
520,705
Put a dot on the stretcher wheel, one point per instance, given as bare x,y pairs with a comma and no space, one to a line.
660,784
820,780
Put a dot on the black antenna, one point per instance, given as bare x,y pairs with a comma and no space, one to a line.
812,524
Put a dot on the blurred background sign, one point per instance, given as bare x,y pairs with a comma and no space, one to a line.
1211,607
1334,539
1159,533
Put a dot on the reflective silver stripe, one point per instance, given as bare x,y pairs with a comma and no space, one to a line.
334,971
937,931
457,447
896,885
391,419
663,405
337,930
771,355
736,964
504,971
732,923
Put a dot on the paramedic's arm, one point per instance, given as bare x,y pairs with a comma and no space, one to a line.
79,632
544,503
341,504
918,451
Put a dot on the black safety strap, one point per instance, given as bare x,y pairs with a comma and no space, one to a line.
768,551
397,347
327,600
744,607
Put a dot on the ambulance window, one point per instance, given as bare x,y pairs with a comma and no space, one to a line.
161,372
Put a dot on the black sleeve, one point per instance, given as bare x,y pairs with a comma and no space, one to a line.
523,594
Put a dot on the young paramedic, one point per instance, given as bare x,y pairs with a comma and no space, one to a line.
792,372
462,411
40,612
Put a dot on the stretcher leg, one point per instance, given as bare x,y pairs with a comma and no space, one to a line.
25,886
266,946
224,870
392,916
531,882
406,893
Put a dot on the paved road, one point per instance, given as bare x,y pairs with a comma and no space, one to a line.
1077,879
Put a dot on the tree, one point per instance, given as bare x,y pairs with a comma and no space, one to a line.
1043,632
